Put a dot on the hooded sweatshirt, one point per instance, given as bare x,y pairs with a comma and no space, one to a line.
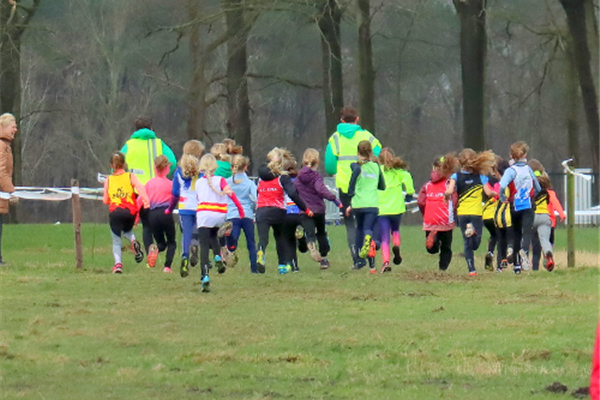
438,214
312,190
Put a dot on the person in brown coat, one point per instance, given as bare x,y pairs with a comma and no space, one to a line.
8,128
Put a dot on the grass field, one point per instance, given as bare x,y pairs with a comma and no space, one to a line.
414,333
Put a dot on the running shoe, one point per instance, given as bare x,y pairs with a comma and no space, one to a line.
152,255
260,262
525,262
473,273
194,255
225,229
386,267
221,267
503,265
373,270
167,270
510,257
137,250
489,261
549,261
299,232
470,230
205,284
183,269
314,252
430,240
517,269
364,250
324,264
397,257
282,269
118,268
372,249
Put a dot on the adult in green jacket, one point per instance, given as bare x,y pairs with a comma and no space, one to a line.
140,152
341,152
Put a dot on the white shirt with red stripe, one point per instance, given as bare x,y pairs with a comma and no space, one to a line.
212,206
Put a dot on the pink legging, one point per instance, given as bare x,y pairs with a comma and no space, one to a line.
384,225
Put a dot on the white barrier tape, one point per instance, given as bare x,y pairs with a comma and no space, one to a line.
53,194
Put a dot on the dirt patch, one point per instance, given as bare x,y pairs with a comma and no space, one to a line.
581,393
557,387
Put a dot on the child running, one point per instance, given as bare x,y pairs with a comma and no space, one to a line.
312,190
438,211
365,181
184,198
245,190
542,242
291,223
470,184
274,183
212,192
503,223
392,204
524,186
161,221
120,196
489,208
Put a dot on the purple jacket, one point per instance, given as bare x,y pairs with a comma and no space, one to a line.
312,190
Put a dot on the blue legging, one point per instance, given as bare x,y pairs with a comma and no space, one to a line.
188,229
246,225
365,223
471,243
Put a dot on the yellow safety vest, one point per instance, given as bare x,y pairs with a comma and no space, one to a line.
140,157
346,151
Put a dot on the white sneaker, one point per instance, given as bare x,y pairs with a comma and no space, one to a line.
525,263
470,230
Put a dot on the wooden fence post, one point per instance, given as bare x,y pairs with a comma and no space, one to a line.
570,219
76,205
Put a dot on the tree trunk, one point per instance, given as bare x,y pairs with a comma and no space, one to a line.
473,46
238,103
329,20
576,21
197,96
13,23
365,67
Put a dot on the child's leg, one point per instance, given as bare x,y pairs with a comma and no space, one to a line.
232,239
395,221
477,222
445,243
536,249
516,217
204,239
171,237
491,228
188,227
146,228
279,243
544,231
321,227
369,222
463,220
248,227
436,243
116,247
215,243
502,245
384,231
360,222
158,227
288,240
527,226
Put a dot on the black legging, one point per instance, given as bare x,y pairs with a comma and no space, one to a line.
208,240
291,222
163,230
522,223
491,227
443,245
146,229
316,223
267,217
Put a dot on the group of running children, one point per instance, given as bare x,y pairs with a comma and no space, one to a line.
216,201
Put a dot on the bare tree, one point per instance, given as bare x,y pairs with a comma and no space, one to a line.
366,72
473,48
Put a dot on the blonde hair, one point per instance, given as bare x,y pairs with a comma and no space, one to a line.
478,163
219,150
208,166
518,150
190,165
238,164
446,165
310,158
276,158
6,119
193,147
161,162
117,160
388,159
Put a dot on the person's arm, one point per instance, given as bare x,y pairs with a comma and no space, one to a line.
451,187
487,189
381,182
507,178
330,160
422,198
290,189
556,205
139,187
105,198
226,189
537,188
355,173
322,189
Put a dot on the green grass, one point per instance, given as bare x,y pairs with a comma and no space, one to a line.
337,334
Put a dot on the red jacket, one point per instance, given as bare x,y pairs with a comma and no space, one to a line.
438,213
595,377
